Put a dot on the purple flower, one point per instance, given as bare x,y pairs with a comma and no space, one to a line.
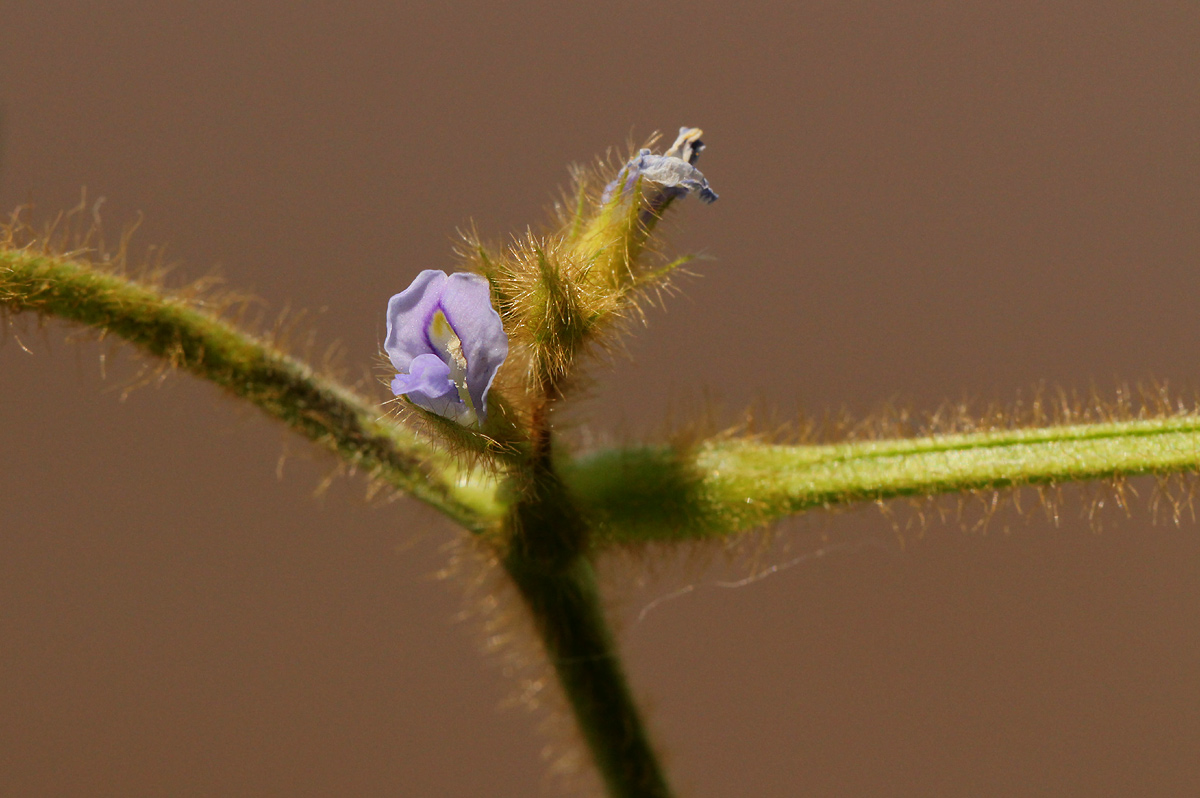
447,342
674,171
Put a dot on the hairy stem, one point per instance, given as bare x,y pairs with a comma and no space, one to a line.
548,562
722,487
187,337
567,611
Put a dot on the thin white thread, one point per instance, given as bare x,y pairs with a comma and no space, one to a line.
662,599
814,555
774,569
21,344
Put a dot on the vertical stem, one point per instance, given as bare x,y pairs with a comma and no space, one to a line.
539,435
547,561
570,621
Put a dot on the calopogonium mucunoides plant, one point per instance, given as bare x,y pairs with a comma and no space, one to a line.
481,358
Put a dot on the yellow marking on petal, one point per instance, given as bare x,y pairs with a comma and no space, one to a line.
440,331
449,348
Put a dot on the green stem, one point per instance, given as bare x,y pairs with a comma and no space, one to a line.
283,387
567,611
723,487
548,563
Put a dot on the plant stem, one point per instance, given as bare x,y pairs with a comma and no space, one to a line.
547,560
723,487
566,608
190,338
790,479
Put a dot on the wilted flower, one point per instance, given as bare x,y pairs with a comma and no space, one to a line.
447,342
673,170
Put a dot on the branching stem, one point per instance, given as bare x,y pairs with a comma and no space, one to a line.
560,513
547,540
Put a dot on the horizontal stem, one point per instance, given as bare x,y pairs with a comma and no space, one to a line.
190,338
726,486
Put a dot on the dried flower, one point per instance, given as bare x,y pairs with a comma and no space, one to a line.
447,342
674,170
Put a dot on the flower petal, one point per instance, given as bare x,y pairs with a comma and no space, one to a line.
407,317
674,170
428,385
427,375
467,302
669,171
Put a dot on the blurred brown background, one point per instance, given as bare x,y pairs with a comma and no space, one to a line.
919,201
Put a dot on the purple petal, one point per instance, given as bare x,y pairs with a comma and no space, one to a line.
427,374
467,302
408,318
628,176
428,385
